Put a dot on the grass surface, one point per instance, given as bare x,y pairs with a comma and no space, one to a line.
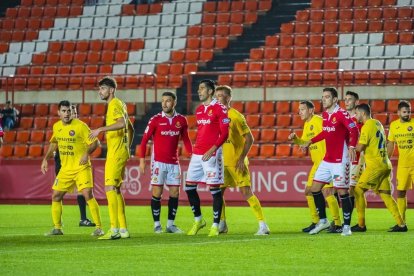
25,250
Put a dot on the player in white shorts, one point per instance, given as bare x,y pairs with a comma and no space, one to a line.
165,129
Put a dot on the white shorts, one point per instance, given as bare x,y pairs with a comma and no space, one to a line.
338,173
163,173
209,172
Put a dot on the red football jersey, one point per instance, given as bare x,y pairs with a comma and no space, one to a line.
212,126
359,125
165,133
339,132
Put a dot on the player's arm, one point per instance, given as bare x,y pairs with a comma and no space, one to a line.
131,132
248,142
224,134
186,139
360,147
148,133
353,135
391,142
119,124
52,148
91,148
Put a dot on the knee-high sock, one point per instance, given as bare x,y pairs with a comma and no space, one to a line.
57,214
172,208
320,204
156,208
217,204
82,206
223,211
346,208
113,208
312,209
334,209
121,211
95,213
352,198
361,205
393,208
256,207
402,206
194,200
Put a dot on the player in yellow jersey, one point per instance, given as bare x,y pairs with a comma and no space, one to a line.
236,170
311,128
402,133
70,137
119,134
377,174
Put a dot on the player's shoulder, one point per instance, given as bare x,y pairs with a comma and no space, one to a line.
395,123
219,106
316,119
343,112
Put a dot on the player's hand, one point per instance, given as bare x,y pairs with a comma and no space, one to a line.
142,166
94,133
84,159
43,167
292,136
240,166
209,153
352,154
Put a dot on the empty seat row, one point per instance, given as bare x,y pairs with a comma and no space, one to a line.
319,4
227,6
215,29
63,70
348,26
234,17
377,51
377,64
44,109
371,13
317,78
172,7
95,45
49,11
286,65
40,123
298,52
40,3
32,151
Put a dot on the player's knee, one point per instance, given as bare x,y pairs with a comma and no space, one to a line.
57,196
328,191
87,193
246,192
174,191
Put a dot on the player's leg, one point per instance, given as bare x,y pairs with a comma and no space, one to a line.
123,229
360,205
223,229
195,174
329,194
156,207
311,202
84,221
322,177
256,207
94,210
57,197
173,182
404,182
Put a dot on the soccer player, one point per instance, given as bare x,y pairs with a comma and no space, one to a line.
70,137
402,133
340,134
84,221
165,129
206,163
236,170
119,134
377,175
311,128
357,166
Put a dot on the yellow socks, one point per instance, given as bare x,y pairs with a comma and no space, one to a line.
334,209
402,206
393,208
256,207
312,209
121,211
223,211
360,205
94,209
57,214
112,208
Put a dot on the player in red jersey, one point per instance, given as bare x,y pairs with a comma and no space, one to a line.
165,129
206,164
341,135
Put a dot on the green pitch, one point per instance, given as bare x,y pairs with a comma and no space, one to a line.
25,250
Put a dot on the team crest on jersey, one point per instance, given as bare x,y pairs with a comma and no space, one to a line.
71,133
210,112
410,128
311,127
177,125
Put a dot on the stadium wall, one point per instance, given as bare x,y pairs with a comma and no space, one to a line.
275,182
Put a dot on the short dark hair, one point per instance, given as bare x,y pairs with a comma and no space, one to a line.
64,103
332,90
365,108
108,81
169,94
308,104
404,103
210,84
227,89
353,94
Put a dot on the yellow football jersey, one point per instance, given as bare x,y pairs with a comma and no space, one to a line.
117,140
233,147
310,130
373,136
403,135
73,141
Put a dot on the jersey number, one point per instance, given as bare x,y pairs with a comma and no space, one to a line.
381,140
